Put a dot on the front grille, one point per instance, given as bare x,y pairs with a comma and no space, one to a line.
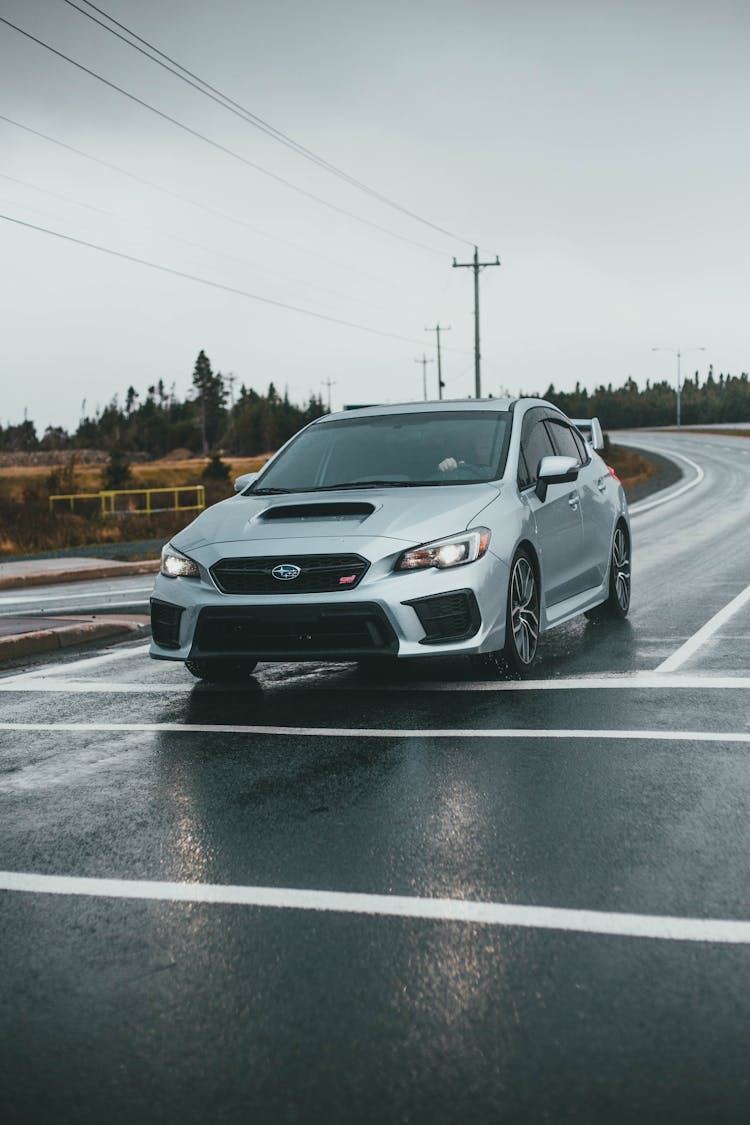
293,632
165,623
447,617
318,574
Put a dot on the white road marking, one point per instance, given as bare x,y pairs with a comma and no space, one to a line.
642,506
122,653
630,681
604,923
742,737
685,651
35,599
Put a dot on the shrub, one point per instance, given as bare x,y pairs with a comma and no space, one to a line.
216,469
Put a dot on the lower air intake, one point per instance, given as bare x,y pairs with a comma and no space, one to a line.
165,623
447,617
293,632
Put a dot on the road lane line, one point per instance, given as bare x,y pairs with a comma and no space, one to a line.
741,737
637,682
642,506
691,646
722,931
121,653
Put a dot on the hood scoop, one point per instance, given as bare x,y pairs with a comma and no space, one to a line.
320,511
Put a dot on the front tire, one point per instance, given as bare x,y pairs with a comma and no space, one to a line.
521,623
221,671
522,615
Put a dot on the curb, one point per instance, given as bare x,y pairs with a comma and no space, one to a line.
106,570
78,632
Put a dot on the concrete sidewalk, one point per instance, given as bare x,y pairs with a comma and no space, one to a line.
21,636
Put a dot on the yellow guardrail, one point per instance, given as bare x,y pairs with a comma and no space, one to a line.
108,498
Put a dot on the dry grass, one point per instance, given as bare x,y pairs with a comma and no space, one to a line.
17,480
631,467
27,525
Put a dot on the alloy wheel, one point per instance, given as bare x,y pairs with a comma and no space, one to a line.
524,610
621,569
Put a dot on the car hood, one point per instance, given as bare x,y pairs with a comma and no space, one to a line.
258,524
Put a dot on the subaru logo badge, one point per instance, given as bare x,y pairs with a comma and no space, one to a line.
286,572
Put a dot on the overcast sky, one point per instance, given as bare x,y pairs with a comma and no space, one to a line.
601,149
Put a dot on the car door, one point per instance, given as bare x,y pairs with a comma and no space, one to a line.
596,508
558,518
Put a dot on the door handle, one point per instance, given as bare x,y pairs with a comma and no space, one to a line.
573,500
601,484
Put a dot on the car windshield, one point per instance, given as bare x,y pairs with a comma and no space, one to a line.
392,450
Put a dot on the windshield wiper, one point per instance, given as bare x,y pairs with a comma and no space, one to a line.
269,491
368,484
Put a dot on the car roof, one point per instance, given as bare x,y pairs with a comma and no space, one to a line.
436,407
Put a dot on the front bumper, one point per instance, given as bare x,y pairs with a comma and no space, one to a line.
411,614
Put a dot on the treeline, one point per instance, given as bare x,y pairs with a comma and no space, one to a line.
254,423
722,399
159,422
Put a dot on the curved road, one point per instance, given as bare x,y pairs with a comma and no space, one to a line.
332,898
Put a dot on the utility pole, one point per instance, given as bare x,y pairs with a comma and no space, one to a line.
329,383
424,361
678,353
437,330
476,265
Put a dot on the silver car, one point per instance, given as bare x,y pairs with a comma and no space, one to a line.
442,528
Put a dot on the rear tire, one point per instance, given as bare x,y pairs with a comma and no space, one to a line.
617,604
221,671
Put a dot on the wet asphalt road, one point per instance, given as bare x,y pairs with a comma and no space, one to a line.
615,794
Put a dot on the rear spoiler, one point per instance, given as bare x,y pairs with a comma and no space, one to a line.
591,430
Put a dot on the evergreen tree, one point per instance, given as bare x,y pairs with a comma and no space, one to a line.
210,399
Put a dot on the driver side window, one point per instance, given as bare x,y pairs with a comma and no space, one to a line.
535,444
565,441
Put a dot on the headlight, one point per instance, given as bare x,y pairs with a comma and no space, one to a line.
455,551
176,565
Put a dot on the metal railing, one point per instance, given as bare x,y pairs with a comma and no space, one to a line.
108,498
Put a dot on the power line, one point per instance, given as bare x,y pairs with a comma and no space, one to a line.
222,99
188,242
212,284
217,144
193,202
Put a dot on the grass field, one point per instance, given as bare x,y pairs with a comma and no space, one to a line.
18,480
27,525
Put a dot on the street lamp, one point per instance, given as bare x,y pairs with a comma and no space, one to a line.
678,352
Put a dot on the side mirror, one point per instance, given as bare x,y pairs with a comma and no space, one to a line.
555,470
242,482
